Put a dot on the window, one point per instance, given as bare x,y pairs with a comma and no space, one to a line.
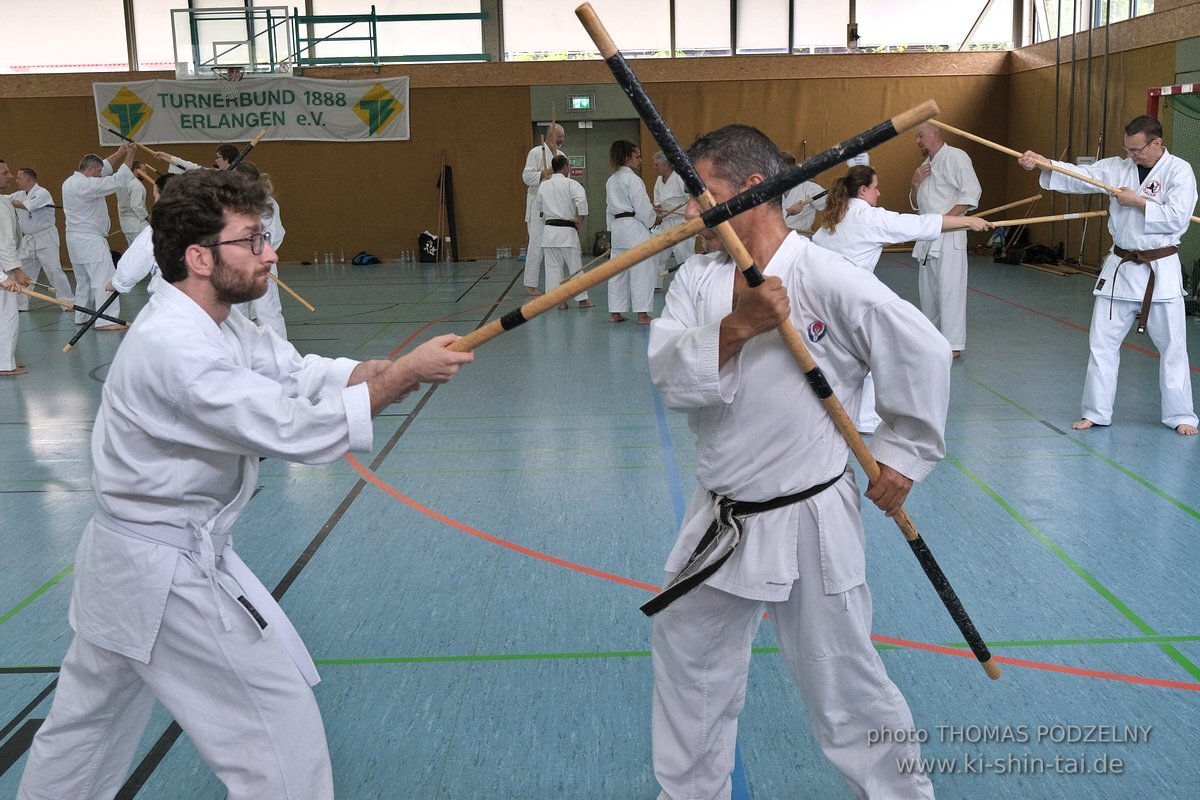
762,26
432,38
935,25
87,36
702,28
540,30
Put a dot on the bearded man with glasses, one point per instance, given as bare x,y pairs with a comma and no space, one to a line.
1142,278
163,608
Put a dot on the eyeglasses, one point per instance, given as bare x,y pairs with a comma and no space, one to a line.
256,242
1133,151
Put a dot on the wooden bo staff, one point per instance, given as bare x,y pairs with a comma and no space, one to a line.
240,157
167,157
1043,163
1009,223
810,200
290,291
70,306
769,189
87,326
682,164
1007,206
1052,218
143,176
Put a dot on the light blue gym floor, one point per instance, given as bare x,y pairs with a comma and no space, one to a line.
473,609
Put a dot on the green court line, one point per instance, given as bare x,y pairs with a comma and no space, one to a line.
38,592
485,657
1075,567
1182,506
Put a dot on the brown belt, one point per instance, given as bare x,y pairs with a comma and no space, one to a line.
1146,257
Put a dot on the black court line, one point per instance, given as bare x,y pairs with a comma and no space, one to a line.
15,747
27,710
473,285
150,762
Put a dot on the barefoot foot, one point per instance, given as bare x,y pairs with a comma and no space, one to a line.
1186,430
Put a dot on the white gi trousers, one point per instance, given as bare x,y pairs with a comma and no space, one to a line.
1167,326
681,250
533,252
39,252
268,309
633,288
556,259
8,330
701,659
92,274
239,697
942,285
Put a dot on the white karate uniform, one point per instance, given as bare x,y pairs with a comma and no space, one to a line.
803,221
131,209
538,159
9,260
40,247
1170,192
762,434
187,409
668,195
268,309
136,263
860,237
87,218
633,288
942,278
561,198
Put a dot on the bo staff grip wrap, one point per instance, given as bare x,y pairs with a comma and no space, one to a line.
941,585
512,319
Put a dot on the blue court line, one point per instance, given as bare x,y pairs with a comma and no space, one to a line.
741,789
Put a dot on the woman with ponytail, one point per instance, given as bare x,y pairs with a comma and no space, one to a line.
857,228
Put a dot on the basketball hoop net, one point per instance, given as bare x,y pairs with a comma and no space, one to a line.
228,78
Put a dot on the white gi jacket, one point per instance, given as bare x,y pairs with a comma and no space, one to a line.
1170,192
87,213
865,229
539,158
762,433
669,194
273,224
38,220
136,263
10,238
186,411
624,191
804,220
952,183
131,208
561,198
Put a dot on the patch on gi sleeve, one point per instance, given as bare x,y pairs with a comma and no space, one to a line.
1100,284
816,331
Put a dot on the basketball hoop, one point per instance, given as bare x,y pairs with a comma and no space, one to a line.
228,78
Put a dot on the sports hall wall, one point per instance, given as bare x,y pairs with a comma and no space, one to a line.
379,196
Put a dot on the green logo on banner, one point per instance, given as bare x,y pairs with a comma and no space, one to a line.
127,112
378,107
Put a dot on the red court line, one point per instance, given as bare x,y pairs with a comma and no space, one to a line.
1020,662
400,347
379,483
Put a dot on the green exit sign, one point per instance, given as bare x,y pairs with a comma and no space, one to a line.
581,102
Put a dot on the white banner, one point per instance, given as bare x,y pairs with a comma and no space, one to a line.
170,111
